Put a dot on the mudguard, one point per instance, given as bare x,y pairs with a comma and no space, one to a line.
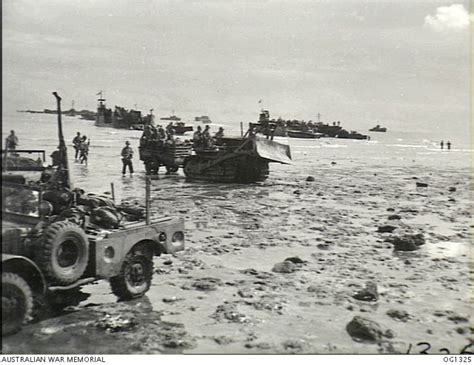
27,269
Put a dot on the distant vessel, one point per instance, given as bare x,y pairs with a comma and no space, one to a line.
303,134
204,119
266,126
378,128
351,135
179,127
120,118
172,118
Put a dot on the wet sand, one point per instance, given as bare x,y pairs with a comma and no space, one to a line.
224,294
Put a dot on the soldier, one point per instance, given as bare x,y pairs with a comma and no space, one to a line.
170,131
12,141
448,144
197,138
161,133
56,156
84,150
146,136
442,144
127,156
76,143
206,137
219,135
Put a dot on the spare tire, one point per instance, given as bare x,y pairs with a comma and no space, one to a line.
62,253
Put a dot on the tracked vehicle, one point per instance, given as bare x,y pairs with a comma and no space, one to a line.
236,160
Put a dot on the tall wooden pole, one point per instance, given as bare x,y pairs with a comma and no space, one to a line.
113,191
147,199
62,145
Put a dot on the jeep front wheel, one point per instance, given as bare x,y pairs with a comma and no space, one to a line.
134,279
17,302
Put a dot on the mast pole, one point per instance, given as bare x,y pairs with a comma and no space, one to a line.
62,144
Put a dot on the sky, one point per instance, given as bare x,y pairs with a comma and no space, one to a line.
401,64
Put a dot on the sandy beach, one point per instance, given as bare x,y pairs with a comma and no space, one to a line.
281,266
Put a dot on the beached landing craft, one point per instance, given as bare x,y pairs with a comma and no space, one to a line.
237,160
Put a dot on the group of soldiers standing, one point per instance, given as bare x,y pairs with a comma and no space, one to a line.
152,133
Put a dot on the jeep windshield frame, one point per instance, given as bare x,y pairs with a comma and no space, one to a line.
35,165
21,202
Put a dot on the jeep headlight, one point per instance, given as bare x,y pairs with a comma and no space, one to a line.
178,237
45,208
162,237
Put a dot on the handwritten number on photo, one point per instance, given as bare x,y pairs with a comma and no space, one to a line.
425,351
425,346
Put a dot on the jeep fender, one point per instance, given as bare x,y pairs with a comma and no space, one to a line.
163,237
27,269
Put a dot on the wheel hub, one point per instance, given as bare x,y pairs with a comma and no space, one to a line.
67,254
137,274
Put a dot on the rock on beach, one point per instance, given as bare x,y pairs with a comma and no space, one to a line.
365,330
407,242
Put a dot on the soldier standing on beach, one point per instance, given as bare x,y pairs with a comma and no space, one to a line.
127,156
442,144
12,141
448,144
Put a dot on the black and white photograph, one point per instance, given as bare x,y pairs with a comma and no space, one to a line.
236,177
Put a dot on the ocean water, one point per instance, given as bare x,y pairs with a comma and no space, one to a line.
397,149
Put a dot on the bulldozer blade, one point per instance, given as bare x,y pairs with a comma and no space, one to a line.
273,151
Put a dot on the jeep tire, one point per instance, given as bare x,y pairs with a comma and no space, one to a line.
17,302
62,253
135,277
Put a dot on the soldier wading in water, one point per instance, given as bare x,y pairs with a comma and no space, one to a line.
127,156
11,141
